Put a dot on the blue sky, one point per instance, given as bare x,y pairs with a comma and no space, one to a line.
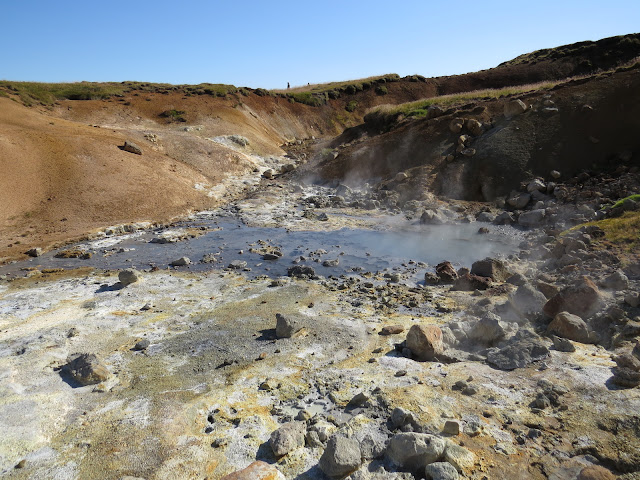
267,44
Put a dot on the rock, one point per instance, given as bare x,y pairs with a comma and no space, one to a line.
446,273
257,470
582,299
488,330
268,174
468,152
431,278
505,218
470,283
517,279
400,417
519,200
459,457
425,342
415,451
486,217
237,264
547,289
331,263
456,125
451,427
87,369
474,127
391,330
569,326
358,400
532,218
129,276
441,471
287,326
301,271
312,440
594,472
434,111
132,148
341,456
272,255
626,377
563,344
514,107
239,140
34,252
142,345
523,349
527,301
181,262
536,186
555,174
492,268
616,281
632,299
432,217
287,438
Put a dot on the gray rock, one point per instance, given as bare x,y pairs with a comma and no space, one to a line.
287,326
373,446
129,276
616,281
505,218
181,262
441,471
451,427
632,299
341,456
132,148
312,440
401,417
536,186
514,107
432,217
87,369
486,217
487,330
142,344
474,127
237,264
301,271
533,218
268,174
555,174
458,456
415,450
287,438
523,349
527,301
562,344
34,252
518,200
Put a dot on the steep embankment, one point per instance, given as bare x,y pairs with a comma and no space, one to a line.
579,125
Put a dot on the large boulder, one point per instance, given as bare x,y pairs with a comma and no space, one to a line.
287,438
514,107
287,326
425,342
441,471
433,217
459,457
523,349
256,471
341,456
415,451
470,283
566,325
87,369
582,299
533,218
492,268
616,281
519,200
446,273
527,301
487,330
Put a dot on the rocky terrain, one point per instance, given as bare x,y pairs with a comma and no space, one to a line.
453,296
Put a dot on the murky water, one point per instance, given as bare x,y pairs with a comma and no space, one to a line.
393,245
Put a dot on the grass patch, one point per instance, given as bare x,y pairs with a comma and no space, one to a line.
622,231
174,115
351,106
49,93
635,198
308,98
349,87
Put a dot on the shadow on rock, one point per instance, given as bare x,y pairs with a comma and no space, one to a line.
110,288
265,453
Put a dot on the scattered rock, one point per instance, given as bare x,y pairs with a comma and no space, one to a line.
616,281
514,107
132,148
474,127
268,174
87,369
572,327
237,264
129,276
142,345
563,344
446,273
441,471
521,351
459,457
582,299
257,470
470,283
34,252
287,438
301,271
400,417
286,327
181,262
341,456
519,200
425,342
451,427
532,218
392,330
488,330
456,125
415,451
492,268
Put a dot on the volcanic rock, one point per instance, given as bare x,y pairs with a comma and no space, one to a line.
391,330
132,148
474,127
415,451
492,268
129,276
518,200
341,456
34,252
181,262
287,438
514,107
594,472
287,326
533,218
523,349
582,299
458,456
569,326
425,342
446,272
562,344
86,369
257,470
527,301
301,271
488,330
470,283
616,281
441,471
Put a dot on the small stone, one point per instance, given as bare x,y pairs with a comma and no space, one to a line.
73,332
237,264
555,174
287,438
129,276
142,345
563,344
181,262
425,341
514,107
34,252
400,417
341,456
492,268
132,148
286,327
87,369
441,471
451,427
392,330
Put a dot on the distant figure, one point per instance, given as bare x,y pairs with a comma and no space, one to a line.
288,86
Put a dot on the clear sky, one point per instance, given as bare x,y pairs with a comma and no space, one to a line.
269,43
